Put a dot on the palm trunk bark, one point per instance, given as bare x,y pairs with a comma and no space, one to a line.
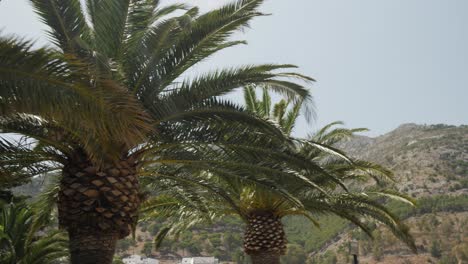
97,206
93,248
266,258
264,240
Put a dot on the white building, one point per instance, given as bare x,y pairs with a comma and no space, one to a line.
136,259
150,261
200,260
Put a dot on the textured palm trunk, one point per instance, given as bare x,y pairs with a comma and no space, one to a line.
265,240
97,207
93,248
266,258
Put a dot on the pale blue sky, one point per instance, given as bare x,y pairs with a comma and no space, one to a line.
378,63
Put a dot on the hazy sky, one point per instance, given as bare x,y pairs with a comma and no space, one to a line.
378,63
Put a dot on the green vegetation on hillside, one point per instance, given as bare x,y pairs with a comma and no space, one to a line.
425,205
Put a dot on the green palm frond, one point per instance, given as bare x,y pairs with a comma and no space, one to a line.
109,20
19,161
380,213
190,189
34,128
394,195
330,136
279,110
218,111
250,98
47,249
24,244
142,16
312,149
39,83
364,170
68,27
207,35
221,82
28,76
44,206
181,205
291,118
142,57
266,103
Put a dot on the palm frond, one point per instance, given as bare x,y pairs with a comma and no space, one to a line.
43,83
19,162
329,136
394,195
250,98
291,118
142,16
143,53
220,83
308,147
17,223
352,206
68,27
44,205
206,35
109,20
217,111
266,103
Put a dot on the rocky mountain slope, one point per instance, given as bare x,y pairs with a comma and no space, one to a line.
426,159
430,163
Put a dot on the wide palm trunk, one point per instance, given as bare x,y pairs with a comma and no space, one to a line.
265,240
97,206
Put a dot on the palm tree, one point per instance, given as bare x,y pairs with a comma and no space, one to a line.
111,100
283,113
10,179
20,242
324,191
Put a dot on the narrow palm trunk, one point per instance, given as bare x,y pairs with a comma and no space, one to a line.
265,240
97,207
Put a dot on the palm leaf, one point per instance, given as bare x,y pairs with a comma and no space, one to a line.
68,27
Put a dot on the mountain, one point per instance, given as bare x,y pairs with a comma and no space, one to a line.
426,159
430,163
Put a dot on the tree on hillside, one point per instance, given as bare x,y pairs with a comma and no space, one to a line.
323,189
295,254
111,101
435,249
147,249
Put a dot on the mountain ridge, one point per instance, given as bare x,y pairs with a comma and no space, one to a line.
430,163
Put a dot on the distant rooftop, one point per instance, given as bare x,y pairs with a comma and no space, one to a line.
136,259
200,260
